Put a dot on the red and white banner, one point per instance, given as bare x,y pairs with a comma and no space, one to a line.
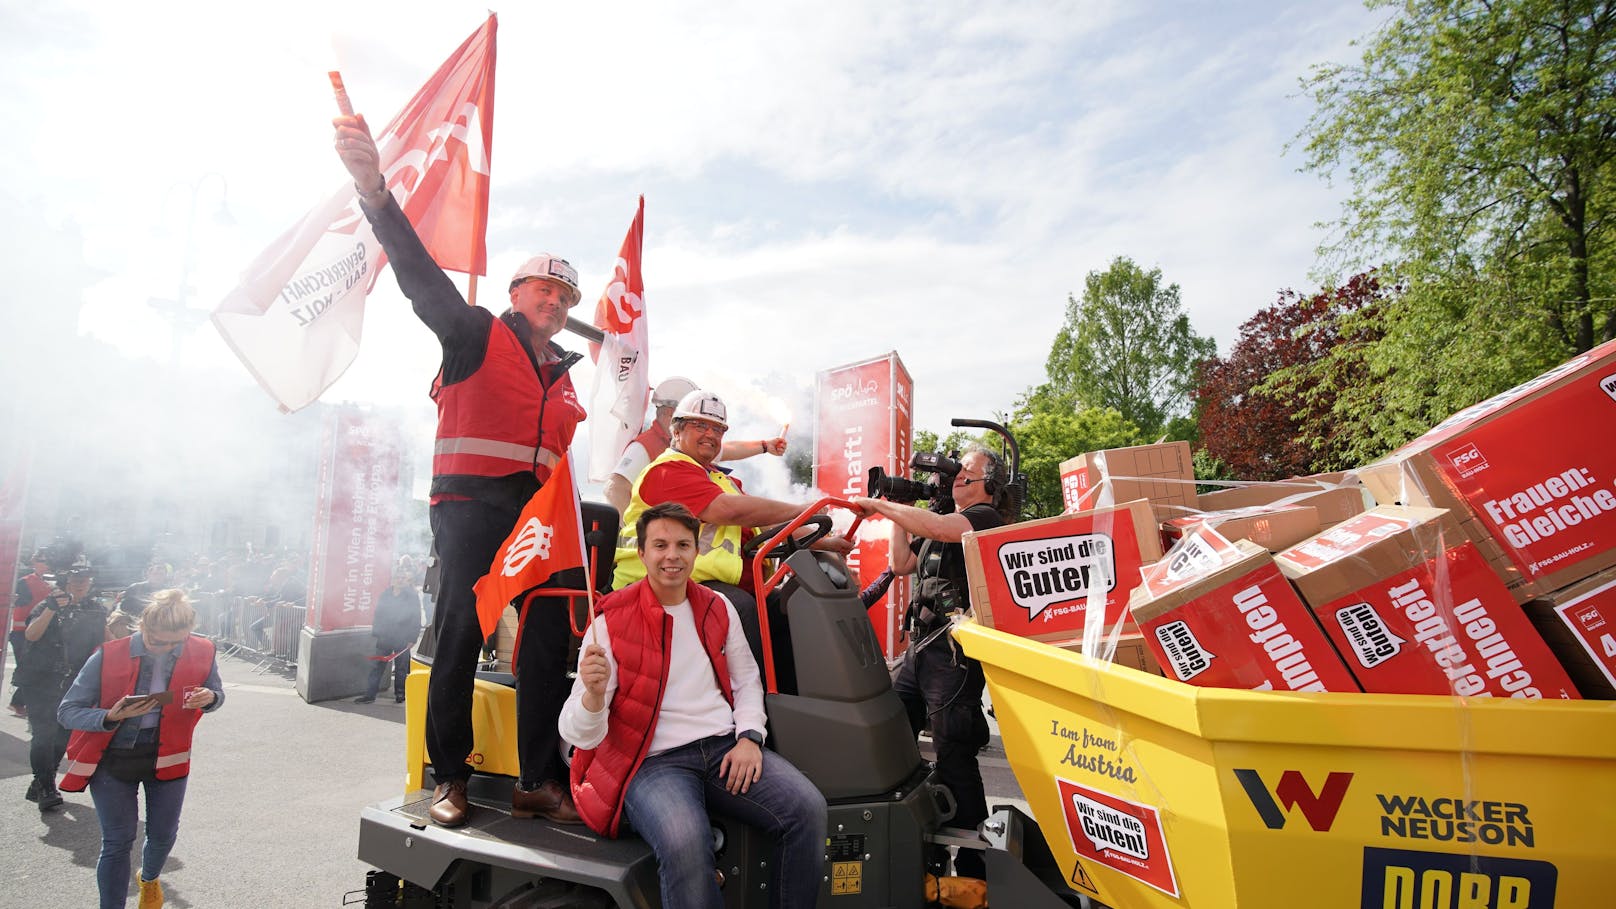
548,538
355,517
622,379
864,418
296,318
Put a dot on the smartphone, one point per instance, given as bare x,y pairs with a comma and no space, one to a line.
161,697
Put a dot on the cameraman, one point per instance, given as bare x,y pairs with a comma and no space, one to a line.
63,631
937,681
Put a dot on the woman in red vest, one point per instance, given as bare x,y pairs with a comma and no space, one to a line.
132,710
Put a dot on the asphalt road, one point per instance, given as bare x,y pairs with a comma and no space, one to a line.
271,815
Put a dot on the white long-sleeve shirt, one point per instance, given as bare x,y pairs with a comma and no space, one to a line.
692,705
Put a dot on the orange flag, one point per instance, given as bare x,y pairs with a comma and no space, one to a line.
548,538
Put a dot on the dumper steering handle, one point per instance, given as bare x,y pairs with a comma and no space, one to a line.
771,542
820,523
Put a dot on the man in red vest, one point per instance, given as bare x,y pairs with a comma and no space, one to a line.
667,715
506,413
31,588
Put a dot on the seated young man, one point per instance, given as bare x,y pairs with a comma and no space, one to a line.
667,716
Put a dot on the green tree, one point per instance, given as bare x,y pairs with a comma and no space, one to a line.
1127,345
1049,428
1479,137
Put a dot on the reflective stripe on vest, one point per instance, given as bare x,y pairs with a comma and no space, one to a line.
522,455
718,546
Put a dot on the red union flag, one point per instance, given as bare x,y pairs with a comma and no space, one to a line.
548,538
622,381
296,318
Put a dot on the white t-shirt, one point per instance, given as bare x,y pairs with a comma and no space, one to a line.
692,706
634,461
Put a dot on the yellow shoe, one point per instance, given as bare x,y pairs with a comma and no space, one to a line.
151,893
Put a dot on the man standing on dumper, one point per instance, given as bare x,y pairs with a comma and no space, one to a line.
937,681
506,413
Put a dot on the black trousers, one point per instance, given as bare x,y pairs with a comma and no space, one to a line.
468,535
939,682
47,740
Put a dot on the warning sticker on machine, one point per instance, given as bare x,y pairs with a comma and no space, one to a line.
846,877
1122,835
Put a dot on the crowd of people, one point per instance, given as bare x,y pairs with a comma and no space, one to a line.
644,706
667,726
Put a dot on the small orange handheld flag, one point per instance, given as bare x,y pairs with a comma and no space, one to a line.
548,538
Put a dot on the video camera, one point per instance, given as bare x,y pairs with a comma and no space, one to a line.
939,491
883,485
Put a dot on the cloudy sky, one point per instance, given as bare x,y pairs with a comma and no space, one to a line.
824,182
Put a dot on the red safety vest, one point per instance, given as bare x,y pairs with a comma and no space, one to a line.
501,419
119,672
655,440
37,590
641,635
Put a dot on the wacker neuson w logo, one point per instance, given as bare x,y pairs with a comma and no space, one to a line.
1293,791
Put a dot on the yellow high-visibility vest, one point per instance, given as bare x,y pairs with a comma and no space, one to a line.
718,546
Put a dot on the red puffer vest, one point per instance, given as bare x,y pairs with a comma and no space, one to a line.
501,419
119,672
641,635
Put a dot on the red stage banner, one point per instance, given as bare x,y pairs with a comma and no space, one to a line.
356,513
864,417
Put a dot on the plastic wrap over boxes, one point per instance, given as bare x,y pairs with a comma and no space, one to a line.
1162,474
1036,578
1531,473
1413,610
1233,621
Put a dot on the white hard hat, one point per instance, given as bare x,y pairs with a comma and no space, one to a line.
702,405
670,391
553,269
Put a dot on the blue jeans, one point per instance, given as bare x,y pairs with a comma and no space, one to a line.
117,807
667,804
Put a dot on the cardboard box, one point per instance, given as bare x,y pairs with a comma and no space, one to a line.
1333,505
1410,615
1238,625
1035,578
1579,625
1163,474
1535,466
1132,652
1273,527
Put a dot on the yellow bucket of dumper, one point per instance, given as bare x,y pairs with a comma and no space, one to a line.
1153,793
493,724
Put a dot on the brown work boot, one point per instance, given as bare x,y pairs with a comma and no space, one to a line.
449,804
550,801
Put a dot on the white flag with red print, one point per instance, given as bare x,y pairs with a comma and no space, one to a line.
622,380
548,538
296,318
